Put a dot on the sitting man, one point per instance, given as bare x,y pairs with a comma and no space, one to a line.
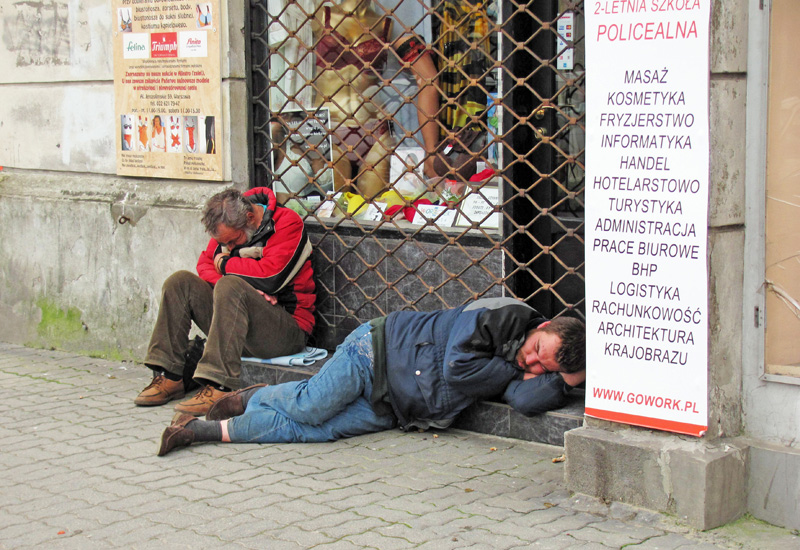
411,370
254,296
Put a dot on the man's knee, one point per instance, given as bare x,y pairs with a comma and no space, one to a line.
179,279
230,285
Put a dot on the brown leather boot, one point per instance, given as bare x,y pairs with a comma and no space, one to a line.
176,434
201,402
229,405
160,391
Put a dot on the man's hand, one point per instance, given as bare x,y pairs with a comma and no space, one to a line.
218,261
573,379
269,297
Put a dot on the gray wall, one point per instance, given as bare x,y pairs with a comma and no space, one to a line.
71,276
726,214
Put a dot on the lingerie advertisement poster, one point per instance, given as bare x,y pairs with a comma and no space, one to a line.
167,85
647,189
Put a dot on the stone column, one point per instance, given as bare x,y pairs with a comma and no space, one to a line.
702,481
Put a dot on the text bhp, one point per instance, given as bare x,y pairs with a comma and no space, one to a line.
645,270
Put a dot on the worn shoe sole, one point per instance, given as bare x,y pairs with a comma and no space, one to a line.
152,402
194,410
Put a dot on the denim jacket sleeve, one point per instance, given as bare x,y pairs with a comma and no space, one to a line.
537,395
471,363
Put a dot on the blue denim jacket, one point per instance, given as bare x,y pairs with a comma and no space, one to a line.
438,363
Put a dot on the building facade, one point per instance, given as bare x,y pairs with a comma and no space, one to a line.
331,106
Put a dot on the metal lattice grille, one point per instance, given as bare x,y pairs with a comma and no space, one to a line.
377,121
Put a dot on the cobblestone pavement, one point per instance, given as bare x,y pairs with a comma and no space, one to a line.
80,471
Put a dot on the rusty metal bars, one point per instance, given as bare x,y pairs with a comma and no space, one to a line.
380,134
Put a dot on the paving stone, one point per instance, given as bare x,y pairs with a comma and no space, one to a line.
314,485
413,532
493,540
41,509
326,523
70,541
113,532
614,540
361,525
558,542
306,508
391,491
226,527
491,512
618,527
375,540
669,541
162,506
22,535
348,498
10,519
302,537
449,543
141,536
565,523
527,529
264,541
338,545
253,498
345,476
469,523
387,514
90,471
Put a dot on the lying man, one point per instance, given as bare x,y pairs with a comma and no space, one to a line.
253,294
410,370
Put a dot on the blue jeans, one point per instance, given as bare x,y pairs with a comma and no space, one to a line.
331,405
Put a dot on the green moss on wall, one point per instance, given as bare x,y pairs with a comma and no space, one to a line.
65,330
59,326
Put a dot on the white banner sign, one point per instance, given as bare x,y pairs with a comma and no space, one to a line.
647,174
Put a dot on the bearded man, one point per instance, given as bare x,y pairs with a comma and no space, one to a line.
253,295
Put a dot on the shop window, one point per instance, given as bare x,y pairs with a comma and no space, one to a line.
434,148
783,200
385,110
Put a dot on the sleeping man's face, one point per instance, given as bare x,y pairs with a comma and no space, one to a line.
538,354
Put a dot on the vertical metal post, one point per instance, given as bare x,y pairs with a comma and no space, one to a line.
529,162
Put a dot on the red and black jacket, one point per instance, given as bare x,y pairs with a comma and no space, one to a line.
284,269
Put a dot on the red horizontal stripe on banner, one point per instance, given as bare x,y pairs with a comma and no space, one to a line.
647,422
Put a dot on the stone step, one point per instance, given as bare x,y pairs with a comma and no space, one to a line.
483,417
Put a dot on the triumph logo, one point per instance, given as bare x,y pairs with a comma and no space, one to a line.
164,44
